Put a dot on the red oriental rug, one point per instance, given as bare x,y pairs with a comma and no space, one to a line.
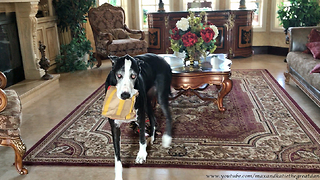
262,129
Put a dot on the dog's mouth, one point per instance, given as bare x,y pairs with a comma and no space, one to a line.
127,94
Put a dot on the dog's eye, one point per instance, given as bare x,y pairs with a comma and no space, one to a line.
133,76
119,76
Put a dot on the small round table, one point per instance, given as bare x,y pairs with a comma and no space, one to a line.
188,80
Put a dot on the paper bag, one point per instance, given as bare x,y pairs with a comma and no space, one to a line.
115,108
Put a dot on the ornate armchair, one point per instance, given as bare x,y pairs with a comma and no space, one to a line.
199,4
111,34
10,119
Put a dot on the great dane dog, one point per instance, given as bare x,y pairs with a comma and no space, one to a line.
140,73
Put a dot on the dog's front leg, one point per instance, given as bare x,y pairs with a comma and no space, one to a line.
115,129
142,154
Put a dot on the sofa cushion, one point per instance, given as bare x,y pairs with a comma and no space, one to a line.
314,47
314,36
303,64
10,117
316,69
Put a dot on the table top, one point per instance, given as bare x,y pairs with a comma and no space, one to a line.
212,63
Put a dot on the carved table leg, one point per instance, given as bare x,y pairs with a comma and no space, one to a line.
19,148
225,89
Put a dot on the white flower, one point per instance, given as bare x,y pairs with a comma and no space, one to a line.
183,24
215,30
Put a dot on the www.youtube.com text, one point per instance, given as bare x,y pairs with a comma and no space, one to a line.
264,176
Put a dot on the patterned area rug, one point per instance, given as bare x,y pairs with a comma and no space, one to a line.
262,129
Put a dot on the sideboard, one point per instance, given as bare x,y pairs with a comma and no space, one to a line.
235,31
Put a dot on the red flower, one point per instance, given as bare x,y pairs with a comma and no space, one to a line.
175,35
208,23
207,34
189,39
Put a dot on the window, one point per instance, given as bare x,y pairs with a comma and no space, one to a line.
113,2
215,4
147,6
260,7
275,23
150,6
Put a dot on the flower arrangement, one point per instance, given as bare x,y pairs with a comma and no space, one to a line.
193,37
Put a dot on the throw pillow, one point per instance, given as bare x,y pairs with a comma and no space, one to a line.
316,69
314,47
314,36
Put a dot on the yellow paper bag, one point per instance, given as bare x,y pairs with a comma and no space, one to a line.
115,108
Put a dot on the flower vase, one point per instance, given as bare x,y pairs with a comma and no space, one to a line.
192,58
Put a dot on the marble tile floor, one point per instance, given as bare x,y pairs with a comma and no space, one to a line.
42,115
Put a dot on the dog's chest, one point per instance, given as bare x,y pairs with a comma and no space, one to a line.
119,121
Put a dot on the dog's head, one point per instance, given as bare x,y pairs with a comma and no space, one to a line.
126,70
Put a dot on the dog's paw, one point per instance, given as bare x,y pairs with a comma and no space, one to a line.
118,178
141,157
142,154
166,141
151,139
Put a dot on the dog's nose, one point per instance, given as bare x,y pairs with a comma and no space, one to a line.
125,95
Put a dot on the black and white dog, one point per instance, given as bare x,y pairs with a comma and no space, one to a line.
142,73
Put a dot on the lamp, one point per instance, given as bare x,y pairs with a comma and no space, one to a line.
161,7
242,4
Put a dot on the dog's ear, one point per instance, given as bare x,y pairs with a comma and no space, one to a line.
113,60
127,56
139,62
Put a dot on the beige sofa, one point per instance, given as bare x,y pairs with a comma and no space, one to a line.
300,64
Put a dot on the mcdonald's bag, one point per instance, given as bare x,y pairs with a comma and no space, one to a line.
115,108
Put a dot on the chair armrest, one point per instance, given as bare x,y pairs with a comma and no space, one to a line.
106,36
3,80
135,32
100,35
3,100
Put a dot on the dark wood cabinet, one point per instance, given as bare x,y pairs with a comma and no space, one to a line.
235,31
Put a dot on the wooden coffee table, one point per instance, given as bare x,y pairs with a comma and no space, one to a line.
214,70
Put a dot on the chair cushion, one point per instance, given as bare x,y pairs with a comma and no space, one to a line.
10,133
122,47
117,33
10,117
